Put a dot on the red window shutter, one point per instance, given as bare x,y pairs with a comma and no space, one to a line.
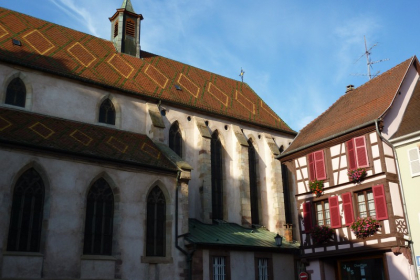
361,153
348,208
307,219
320,165
334,212
352,154
311,167
380,202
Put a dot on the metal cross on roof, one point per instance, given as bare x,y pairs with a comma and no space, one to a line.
242,75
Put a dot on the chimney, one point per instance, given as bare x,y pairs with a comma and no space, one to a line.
349,88
288,232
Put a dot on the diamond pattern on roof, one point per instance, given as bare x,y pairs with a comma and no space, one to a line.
122,67
81,137
152,151
4,124
245,102
81,54
156,76
38,42
268,110
117,144
41,130
3,31
218,94
188,85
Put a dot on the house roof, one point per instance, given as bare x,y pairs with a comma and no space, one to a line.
231,234
410,122
59,50
355,108
36,131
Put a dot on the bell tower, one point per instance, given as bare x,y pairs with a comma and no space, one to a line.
125,29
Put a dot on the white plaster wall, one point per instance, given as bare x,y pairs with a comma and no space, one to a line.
314,265
23,266
398,267
394,116
68,183
283,266
396,199
242,265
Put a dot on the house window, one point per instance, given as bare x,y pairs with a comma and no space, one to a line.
357,153
175,139
107,112
262,269
216,177
317,166
156,223
414,159
219,268
323,213
16,93
252,163
366,204
99,219
27,213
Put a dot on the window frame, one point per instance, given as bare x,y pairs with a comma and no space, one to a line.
227,269
103,116
157,223
412,161
217,188
253,183
322,203
366,203
175,140
267,256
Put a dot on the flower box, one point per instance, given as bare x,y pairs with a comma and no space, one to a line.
317,187
321,234
357,175
365,227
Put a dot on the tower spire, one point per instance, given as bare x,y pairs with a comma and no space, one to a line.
125,29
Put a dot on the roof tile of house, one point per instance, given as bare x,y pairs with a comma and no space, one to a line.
38,131
59,50
357,107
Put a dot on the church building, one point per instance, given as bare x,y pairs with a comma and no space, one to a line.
118,163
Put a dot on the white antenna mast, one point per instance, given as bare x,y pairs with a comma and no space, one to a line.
369,62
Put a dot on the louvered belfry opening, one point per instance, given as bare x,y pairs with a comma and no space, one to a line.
107,112
175,139
116,29
156,223
130,28
27,213
16,93
252,163
99,219
216,177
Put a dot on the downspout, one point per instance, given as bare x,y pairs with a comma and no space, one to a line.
188,255
410,242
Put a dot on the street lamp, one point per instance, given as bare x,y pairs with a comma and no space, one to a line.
278,239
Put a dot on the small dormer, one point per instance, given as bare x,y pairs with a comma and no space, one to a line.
125,29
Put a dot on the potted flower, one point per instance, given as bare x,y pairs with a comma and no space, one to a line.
365,227
357,175
317,187
321,234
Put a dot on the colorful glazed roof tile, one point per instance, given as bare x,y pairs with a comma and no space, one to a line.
59,50
231,234
410,122
38,131
357,107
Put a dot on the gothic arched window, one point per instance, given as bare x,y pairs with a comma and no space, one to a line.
156,223
216,177
26,215
175,139
99,219
252,163
16,93
107,112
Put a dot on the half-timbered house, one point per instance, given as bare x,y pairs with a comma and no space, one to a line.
352,137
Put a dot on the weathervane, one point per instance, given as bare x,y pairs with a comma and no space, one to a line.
242,75
369,62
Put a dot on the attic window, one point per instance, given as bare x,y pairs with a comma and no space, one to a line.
178,87
130,28
116,29
16,42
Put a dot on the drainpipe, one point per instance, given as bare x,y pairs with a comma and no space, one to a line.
410,242
188,255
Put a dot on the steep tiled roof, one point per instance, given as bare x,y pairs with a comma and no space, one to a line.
58,135
49,47
230,234
410,122
357,107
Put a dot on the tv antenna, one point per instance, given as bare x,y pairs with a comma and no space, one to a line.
369,62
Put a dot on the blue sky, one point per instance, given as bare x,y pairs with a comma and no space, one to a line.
297,55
